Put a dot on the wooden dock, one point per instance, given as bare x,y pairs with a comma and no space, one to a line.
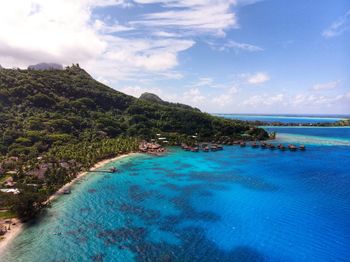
111,170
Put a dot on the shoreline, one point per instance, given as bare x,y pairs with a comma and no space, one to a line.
18,228
99,164
10,235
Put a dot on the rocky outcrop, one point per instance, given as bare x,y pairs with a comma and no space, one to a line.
46,66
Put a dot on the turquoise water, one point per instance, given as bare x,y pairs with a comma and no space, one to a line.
323,136
303,119
239,204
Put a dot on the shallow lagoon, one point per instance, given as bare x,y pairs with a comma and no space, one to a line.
239,204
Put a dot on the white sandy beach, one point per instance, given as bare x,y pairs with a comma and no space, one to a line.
11,234
17,229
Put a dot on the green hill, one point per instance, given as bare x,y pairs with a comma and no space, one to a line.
55,123
42,108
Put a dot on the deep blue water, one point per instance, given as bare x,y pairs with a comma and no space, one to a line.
285,118
239,204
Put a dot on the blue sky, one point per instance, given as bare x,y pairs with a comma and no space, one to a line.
230,56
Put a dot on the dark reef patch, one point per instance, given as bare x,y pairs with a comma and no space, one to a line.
98,257
149,216
122,235
85,209
195,246
137,194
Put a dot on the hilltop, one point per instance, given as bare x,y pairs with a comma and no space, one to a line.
151,97
46,66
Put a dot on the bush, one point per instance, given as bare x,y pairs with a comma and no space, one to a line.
42,100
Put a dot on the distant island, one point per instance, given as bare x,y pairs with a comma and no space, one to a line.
340,123
56,123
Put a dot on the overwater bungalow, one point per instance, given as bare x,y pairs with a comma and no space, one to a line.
194,149
292,148
254,145
281,147
272,146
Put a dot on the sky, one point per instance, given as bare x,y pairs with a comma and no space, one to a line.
222,56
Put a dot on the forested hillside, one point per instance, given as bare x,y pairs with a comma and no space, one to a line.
42,108
54,123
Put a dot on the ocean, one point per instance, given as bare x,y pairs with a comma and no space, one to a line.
287,118
239,204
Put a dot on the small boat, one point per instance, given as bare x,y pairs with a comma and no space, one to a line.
263,145
66,191
113,170
302,148
206,149
220,147
242,144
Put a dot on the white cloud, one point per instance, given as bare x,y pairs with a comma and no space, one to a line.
165,34
338,27
102,27
236,46
326,86
258,78
56,31
224,99
308,100
204,81
193,97
192,16
66,31
264,100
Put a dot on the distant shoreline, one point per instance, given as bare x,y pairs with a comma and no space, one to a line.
305,127
18,228
330,116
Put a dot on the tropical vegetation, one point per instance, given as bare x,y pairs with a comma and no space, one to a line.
56,123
